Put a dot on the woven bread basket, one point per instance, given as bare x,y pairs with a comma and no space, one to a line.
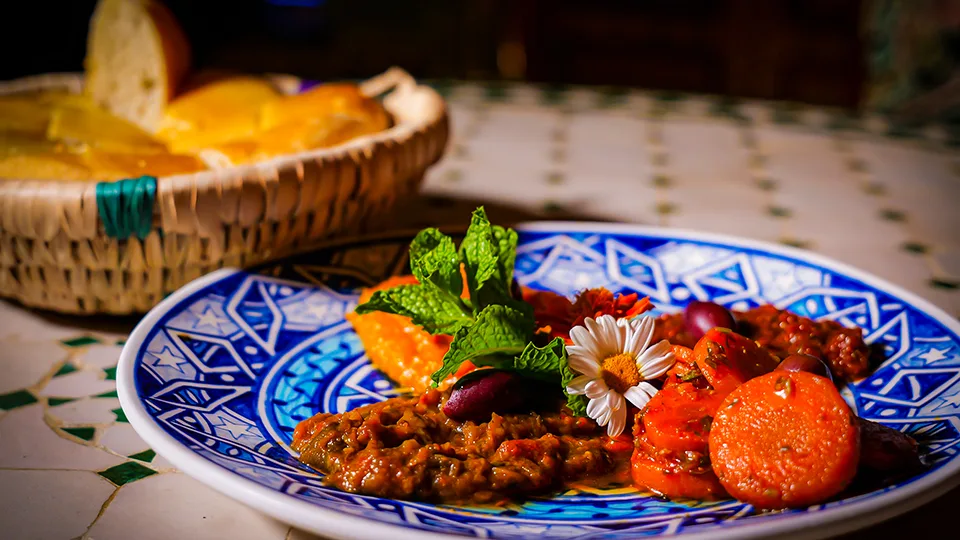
56,253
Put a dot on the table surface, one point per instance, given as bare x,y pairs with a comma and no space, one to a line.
857,189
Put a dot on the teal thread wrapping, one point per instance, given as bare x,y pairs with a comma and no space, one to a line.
126,206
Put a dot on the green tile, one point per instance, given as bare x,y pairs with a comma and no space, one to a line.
728,108
659,159
146,456
669,96
121,417
795,242
552,207
857,165
454,175
80,341
65,369
460,151
125,473
666,208
54,401
111,373
767,184
875,188
915,247
609,98
948,284
111,393
555,178
496,91
16,399
662,181
786,113
443,87
85,433
899,131
779,212
890,214
120,342
845,121
554,95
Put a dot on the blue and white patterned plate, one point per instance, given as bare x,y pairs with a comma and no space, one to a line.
216,377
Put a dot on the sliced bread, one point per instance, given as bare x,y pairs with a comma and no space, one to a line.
137,54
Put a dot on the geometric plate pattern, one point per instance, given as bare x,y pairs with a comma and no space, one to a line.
230,369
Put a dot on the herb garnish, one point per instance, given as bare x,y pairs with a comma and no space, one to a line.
491,328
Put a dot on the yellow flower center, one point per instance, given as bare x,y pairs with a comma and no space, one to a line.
620,372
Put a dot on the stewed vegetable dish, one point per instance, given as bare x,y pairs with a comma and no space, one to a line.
516,392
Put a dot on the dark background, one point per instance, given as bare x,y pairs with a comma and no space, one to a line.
802,50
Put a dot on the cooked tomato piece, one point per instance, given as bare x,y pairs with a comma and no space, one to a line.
728,359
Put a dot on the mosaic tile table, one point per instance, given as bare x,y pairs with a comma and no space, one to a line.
858,189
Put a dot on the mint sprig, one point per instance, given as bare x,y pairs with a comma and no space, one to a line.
491,329
499,334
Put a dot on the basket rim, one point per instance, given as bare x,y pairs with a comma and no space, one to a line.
401,94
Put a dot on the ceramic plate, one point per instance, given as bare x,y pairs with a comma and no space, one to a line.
216,377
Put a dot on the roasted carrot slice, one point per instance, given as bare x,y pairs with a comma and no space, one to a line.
685,368
784,440
728,359
678,418
663,477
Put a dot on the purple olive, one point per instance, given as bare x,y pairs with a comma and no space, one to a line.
805,362
515,290
701,317
484,394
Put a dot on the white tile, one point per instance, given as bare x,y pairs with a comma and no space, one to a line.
50,504
100,356
28,443
123,439
172,505
24,363
26,324
894,265
78,384
297,534
86,411
706,154
948,262
161,464
748,223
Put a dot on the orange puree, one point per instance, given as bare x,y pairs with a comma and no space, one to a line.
397,347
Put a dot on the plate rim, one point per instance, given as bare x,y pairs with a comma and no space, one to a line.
319,520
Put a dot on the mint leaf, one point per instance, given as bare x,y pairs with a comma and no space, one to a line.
433,259
544,363
426,305
480,253
499,333
506,240
577,403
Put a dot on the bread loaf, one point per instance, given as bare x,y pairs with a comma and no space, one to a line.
136,57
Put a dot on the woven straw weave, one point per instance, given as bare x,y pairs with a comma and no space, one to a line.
54,253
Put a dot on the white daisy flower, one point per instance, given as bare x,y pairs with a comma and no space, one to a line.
615,359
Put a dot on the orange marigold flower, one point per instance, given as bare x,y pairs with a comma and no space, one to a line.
556,315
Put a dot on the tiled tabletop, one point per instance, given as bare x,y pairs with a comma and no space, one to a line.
879,197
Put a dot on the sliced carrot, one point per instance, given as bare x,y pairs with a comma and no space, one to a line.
785,440
683,354
728,359
678,418
663,477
